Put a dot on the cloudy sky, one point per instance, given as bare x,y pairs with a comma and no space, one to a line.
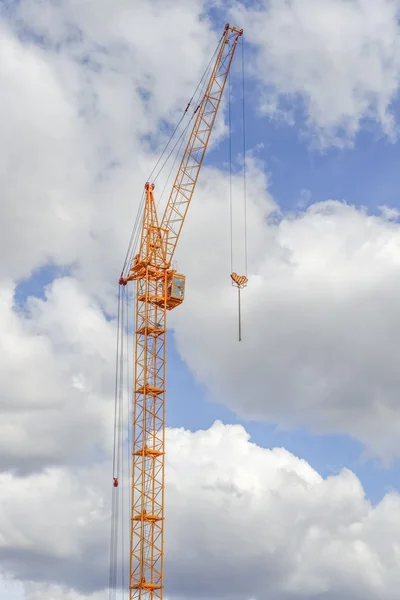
282,467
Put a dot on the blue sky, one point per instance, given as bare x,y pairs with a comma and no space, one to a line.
365,174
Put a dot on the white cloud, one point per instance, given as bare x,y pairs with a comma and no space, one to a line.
40,591
320,319
322,297
257,522
340,58
10,590
320,323
315,310
40,200
73,121
56,378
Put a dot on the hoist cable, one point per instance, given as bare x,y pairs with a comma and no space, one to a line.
114,499
112,561
117,501
244,160
131,410
230,168
122,484
112,581
120,388
116,377
128,425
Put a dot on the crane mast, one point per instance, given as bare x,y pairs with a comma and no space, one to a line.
160,289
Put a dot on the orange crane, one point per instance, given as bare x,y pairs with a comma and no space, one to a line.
159,288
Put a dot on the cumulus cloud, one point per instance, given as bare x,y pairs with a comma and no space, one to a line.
84,86
80,112
42,591
242,521
34,591
320,321
55,378
321,303
339,58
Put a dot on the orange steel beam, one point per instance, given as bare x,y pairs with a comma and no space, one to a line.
158,289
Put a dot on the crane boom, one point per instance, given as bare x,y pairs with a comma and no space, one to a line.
189,169
158,289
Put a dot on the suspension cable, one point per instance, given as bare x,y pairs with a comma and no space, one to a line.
173,148
181,138
133,238
202,81
183,115
173,164
133,241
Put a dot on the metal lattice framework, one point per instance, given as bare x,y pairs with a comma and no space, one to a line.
187,175
156,292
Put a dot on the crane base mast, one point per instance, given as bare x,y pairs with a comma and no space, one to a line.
158,289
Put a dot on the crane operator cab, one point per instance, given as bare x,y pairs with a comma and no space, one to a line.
175,290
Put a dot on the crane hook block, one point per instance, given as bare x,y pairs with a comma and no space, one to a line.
239,281
115,482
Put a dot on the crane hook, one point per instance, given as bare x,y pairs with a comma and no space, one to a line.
239,281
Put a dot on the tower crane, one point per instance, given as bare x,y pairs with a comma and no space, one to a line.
159,289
